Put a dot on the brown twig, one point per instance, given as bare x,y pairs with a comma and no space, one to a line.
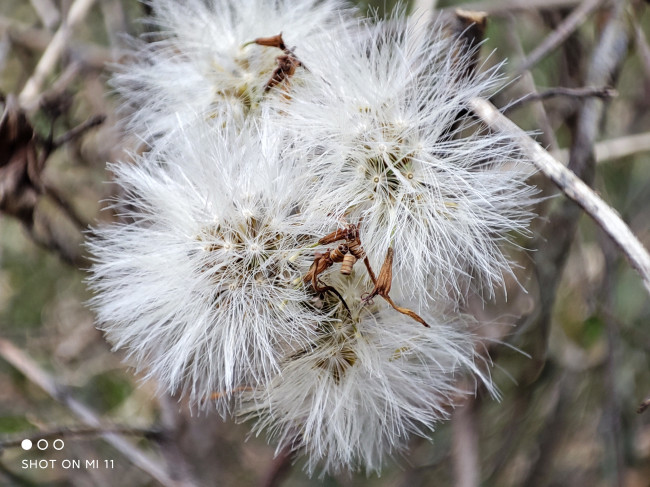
643,406
604,92
559,35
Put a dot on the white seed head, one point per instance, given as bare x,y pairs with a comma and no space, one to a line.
197,291
203,62
371,379
379,127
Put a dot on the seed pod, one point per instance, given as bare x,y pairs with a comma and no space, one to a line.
348,263
356,249
338,253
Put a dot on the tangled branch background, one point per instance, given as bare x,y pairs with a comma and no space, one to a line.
318,230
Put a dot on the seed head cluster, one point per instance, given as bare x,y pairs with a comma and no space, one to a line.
313,205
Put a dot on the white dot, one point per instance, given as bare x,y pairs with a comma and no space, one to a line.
26,444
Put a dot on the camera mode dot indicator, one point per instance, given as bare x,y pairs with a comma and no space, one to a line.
26,444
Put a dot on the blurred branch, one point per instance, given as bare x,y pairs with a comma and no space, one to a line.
613,149
554,429
280,468
612,427
79,130
496,7
643,49
571,186
465,454
47,12
559,35
547,135
18,359
598,92
29,95
24,35
555,237
169,442
644,405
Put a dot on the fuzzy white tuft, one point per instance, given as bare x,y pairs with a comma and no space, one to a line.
382,128
199,284
203,60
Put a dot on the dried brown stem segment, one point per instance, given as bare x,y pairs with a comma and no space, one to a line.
348,262
273,41
287,65
338,254
321,263
348,232
385,279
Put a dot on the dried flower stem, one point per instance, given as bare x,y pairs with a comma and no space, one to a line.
572,187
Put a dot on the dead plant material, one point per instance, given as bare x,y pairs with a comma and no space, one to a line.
287,62
348,262
348,254
382,287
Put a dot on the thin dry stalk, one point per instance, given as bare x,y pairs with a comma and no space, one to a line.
559,35
501,7
573,187
613,149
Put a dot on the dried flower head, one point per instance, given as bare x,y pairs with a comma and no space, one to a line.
382,126
270,124
202,283
365,384
205,60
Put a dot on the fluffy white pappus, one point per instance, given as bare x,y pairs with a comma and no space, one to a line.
372,379
382,127
204,60
200,284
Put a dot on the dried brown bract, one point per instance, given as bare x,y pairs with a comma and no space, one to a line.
287,63
347,254
382,287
